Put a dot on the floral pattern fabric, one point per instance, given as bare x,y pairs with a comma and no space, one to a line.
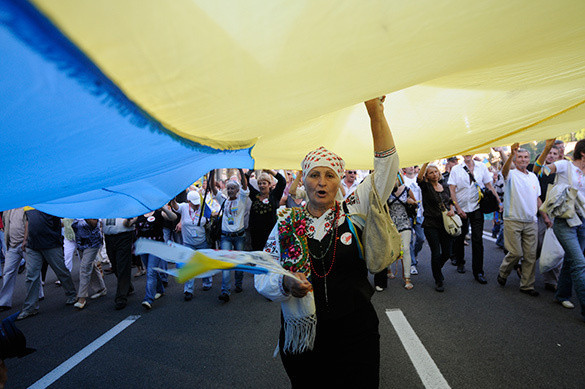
398,211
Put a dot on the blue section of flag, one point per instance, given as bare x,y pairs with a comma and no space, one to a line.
72,143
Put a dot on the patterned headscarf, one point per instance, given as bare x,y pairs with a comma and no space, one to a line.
322,157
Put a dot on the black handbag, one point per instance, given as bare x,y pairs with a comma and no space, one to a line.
213,227
488,202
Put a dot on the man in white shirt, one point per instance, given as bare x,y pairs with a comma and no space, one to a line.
349,182
418,235
522,191
465,182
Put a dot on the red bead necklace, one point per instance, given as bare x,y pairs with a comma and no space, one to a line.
334,248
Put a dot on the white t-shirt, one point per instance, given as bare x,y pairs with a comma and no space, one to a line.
466,193
577,177
416,191
234,211
521,194
192,233
349,189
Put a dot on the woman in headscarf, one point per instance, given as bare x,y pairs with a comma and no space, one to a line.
329,335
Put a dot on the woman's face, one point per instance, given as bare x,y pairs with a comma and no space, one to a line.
322,185
232,190
264,186
433,174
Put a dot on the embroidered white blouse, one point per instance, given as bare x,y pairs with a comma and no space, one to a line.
385,171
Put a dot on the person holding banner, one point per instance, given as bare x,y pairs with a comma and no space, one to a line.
233,232
265,202
436,198
193,234
571,232
329,334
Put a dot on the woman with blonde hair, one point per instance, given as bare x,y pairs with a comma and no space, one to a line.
435,199
265,202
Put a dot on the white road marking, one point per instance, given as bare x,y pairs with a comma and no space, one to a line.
488,236
69,364
426,368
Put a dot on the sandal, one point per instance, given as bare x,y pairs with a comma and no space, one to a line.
391,275
407,284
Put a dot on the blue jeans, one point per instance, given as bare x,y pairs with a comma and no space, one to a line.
231,243
14,255
500,239
573,271
207,281
173,236
417,241
153,278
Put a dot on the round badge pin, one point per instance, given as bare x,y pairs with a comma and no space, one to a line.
346,238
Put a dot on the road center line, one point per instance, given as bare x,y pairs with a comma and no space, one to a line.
426,368
69,364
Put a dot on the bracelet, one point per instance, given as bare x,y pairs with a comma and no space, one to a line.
537,164
385,153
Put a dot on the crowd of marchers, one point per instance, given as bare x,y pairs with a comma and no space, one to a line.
247,202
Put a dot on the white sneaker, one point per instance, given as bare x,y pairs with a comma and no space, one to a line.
157,296
567,304
413,270
99,294
79,305
146,305
379,289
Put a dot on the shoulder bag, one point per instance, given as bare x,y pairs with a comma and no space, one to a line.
381,240
453,223
213,227
488,202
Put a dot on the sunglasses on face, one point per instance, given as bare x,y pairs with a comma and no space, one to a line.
351,172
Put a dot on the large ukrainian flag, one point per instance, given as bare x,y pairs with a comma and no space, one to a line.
110,107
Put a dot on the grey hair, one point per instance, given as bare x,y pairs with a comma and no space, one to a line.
233,183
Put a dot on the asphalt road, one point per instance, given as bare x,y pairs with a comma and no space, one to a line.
479,336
